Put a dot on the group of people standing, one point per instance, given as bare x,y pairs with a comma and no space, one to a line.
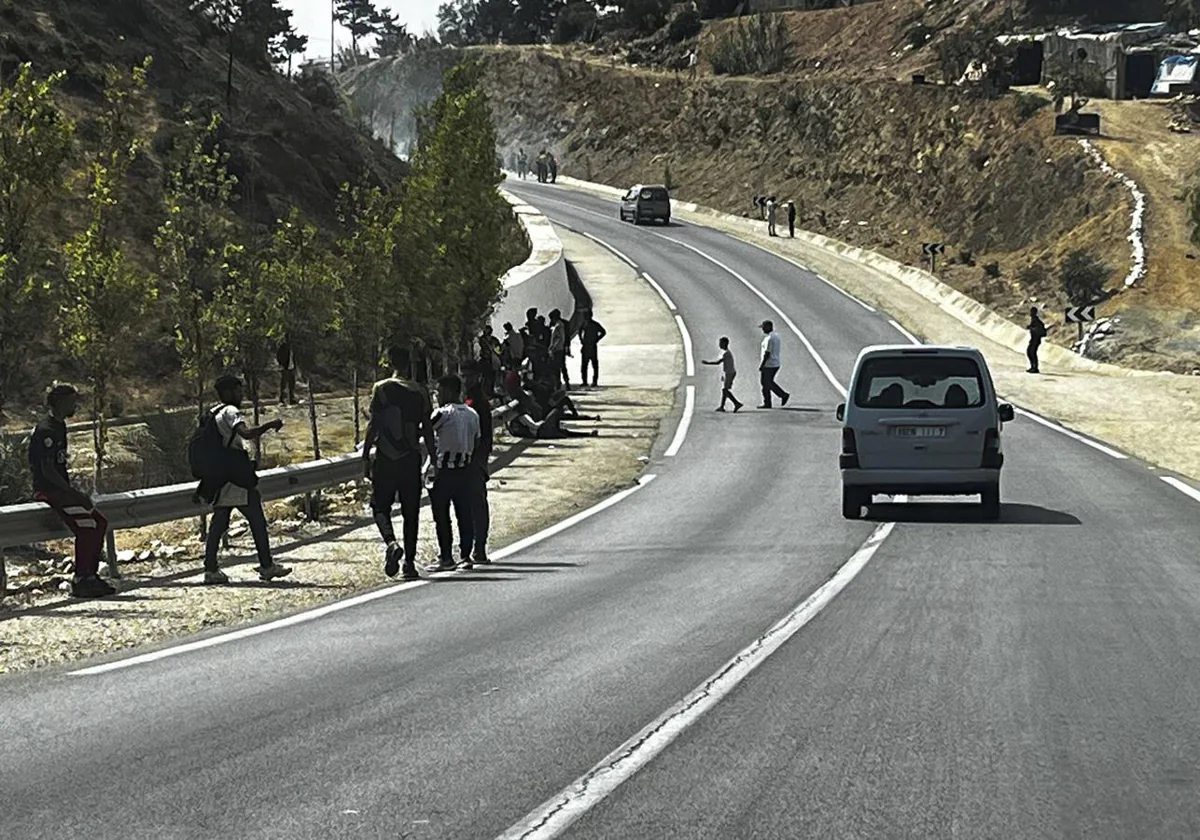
768,208
769,363
545,165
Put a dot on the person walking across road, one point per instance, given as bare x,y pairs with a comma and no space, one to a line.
591,333
768,367
400,417
558,348
728,374
52,486
231,426
791,216
480,460
771,216
1037,331
456,427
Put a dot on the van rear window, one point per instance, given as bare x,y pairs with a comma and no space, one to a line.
655,194
919,382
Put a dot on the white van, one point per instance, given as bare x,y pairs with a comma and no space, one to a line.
921,421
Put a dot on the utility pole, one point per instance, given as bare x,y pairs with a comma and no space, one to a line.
332,27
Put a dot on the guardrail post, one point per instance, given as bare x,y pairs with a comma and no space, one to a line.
111,548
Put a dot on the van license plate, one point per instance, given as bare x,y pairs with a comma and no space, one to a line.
921,431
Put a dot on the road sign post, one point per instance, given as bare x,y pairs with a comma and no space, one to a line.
932,250
1080,315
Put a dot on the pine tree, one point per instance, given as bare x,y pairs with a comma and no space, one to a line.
361,17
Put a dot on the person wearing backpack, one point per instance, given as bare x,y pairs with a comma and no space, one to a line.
400,417
230,471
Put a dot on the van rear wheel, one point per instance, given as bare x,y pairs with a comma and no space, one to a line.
989,503
854,500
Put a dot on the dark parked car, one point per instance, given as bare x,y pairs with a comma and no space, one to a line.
646,203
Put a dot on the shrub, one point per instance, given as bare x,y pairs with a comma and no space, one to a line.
761,45
919,36
14,470
1034,277
992,270
966,256
576,22
1083,276
165,452
686,24
645,16
1028,105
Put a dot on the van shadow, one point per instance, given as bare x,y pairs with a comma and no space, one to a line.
964,512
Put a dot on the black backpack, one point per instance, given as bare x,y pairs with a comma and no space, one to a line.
211,460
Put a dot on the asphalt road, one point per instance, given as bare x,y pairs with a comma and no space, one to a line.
1032,677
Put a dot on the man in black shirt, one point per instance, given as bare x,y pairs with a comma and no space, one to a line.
52,485
480,511
591,333
1037,331
400,417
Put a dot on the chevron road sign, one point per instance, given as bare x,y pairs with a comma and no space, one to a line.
1081,314
931,250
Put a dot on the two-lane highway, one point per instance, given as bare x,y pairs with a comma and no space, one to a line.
1029,677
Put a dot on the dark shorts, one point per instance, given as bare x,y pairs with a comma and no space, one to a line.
589,351
395,480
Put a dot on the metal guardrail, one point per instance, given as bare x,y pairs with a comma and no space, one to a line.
34,523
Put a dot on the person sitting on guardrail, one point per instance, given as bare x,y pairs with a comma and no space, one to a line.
456,427
477,399
52,486
233,430
400,417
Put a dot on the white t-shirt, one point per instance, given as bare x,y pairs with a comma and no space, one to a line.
728,370
228,418
770,350
456,427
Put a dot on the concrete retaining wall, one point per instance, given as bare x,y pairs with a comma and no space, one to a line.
541,280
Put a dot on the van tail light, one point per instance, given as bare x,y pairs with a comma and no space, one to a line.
849,456
992,457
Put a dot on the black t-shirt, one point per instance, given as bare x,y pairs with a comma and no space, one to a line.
398,408
591,333
48,442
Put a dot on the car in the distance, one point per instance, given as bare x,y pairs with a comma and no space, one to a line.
921,420
646,203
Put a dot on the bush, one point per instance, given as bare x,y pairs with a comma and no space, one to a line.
1083,276
1034,277
645,16
686,24
1028,105
14,470
760,46
719,8
317,87
992,270
576,22
165,451
966,257
919,36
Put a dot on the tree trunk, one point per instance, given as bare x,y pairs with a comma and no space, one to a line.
256,401
313,500
357,421
99,437
229,73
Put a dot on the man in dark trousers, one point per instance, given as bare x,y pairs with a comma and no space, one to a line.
400,417
768,367
480,458
1037,331
456,427
558,347
553,169
591,333
52,486
287,373
791,213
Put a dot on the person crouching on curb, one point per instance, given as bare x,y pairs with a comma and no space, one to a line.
52,486
231,426
456,427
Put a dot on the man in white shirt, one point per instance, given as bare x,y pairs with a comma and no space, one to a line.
771,216
233,430
728,374
456,427
768,368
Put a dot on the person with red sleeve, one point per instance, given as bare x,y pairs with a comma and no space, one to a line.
52,485
480,513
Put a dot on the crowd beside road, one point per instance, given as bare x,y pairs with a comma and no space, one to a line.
529,367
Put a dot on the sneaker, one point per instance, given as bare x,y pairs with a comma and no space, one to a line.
764,405
445,565
722,409
737,408
273,571
409,572
392,564
786,397
91,587
216,577
482,560
466,563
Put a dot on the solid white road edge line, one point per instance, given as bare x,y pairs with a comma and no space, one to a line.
1182,487
808,270
904,332
552,817
812,351
1099,447
689,408
662,293
619,255
338,606
688,357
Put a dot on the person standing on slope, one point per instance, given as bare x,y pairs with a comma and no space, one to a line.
728,374
768,368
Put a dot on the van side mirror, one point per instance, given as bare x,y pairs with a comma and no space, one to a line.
1006,413
841,411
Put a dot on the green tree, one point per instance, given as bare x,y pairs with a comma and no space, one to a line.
361,17
393,37
225,16
1083,277
369,292
36,145
1077,80
576,22
1184,14
104,295
293,45
194,242
263,28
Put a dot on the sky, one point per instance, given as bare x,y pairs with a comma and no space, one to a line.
311,18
